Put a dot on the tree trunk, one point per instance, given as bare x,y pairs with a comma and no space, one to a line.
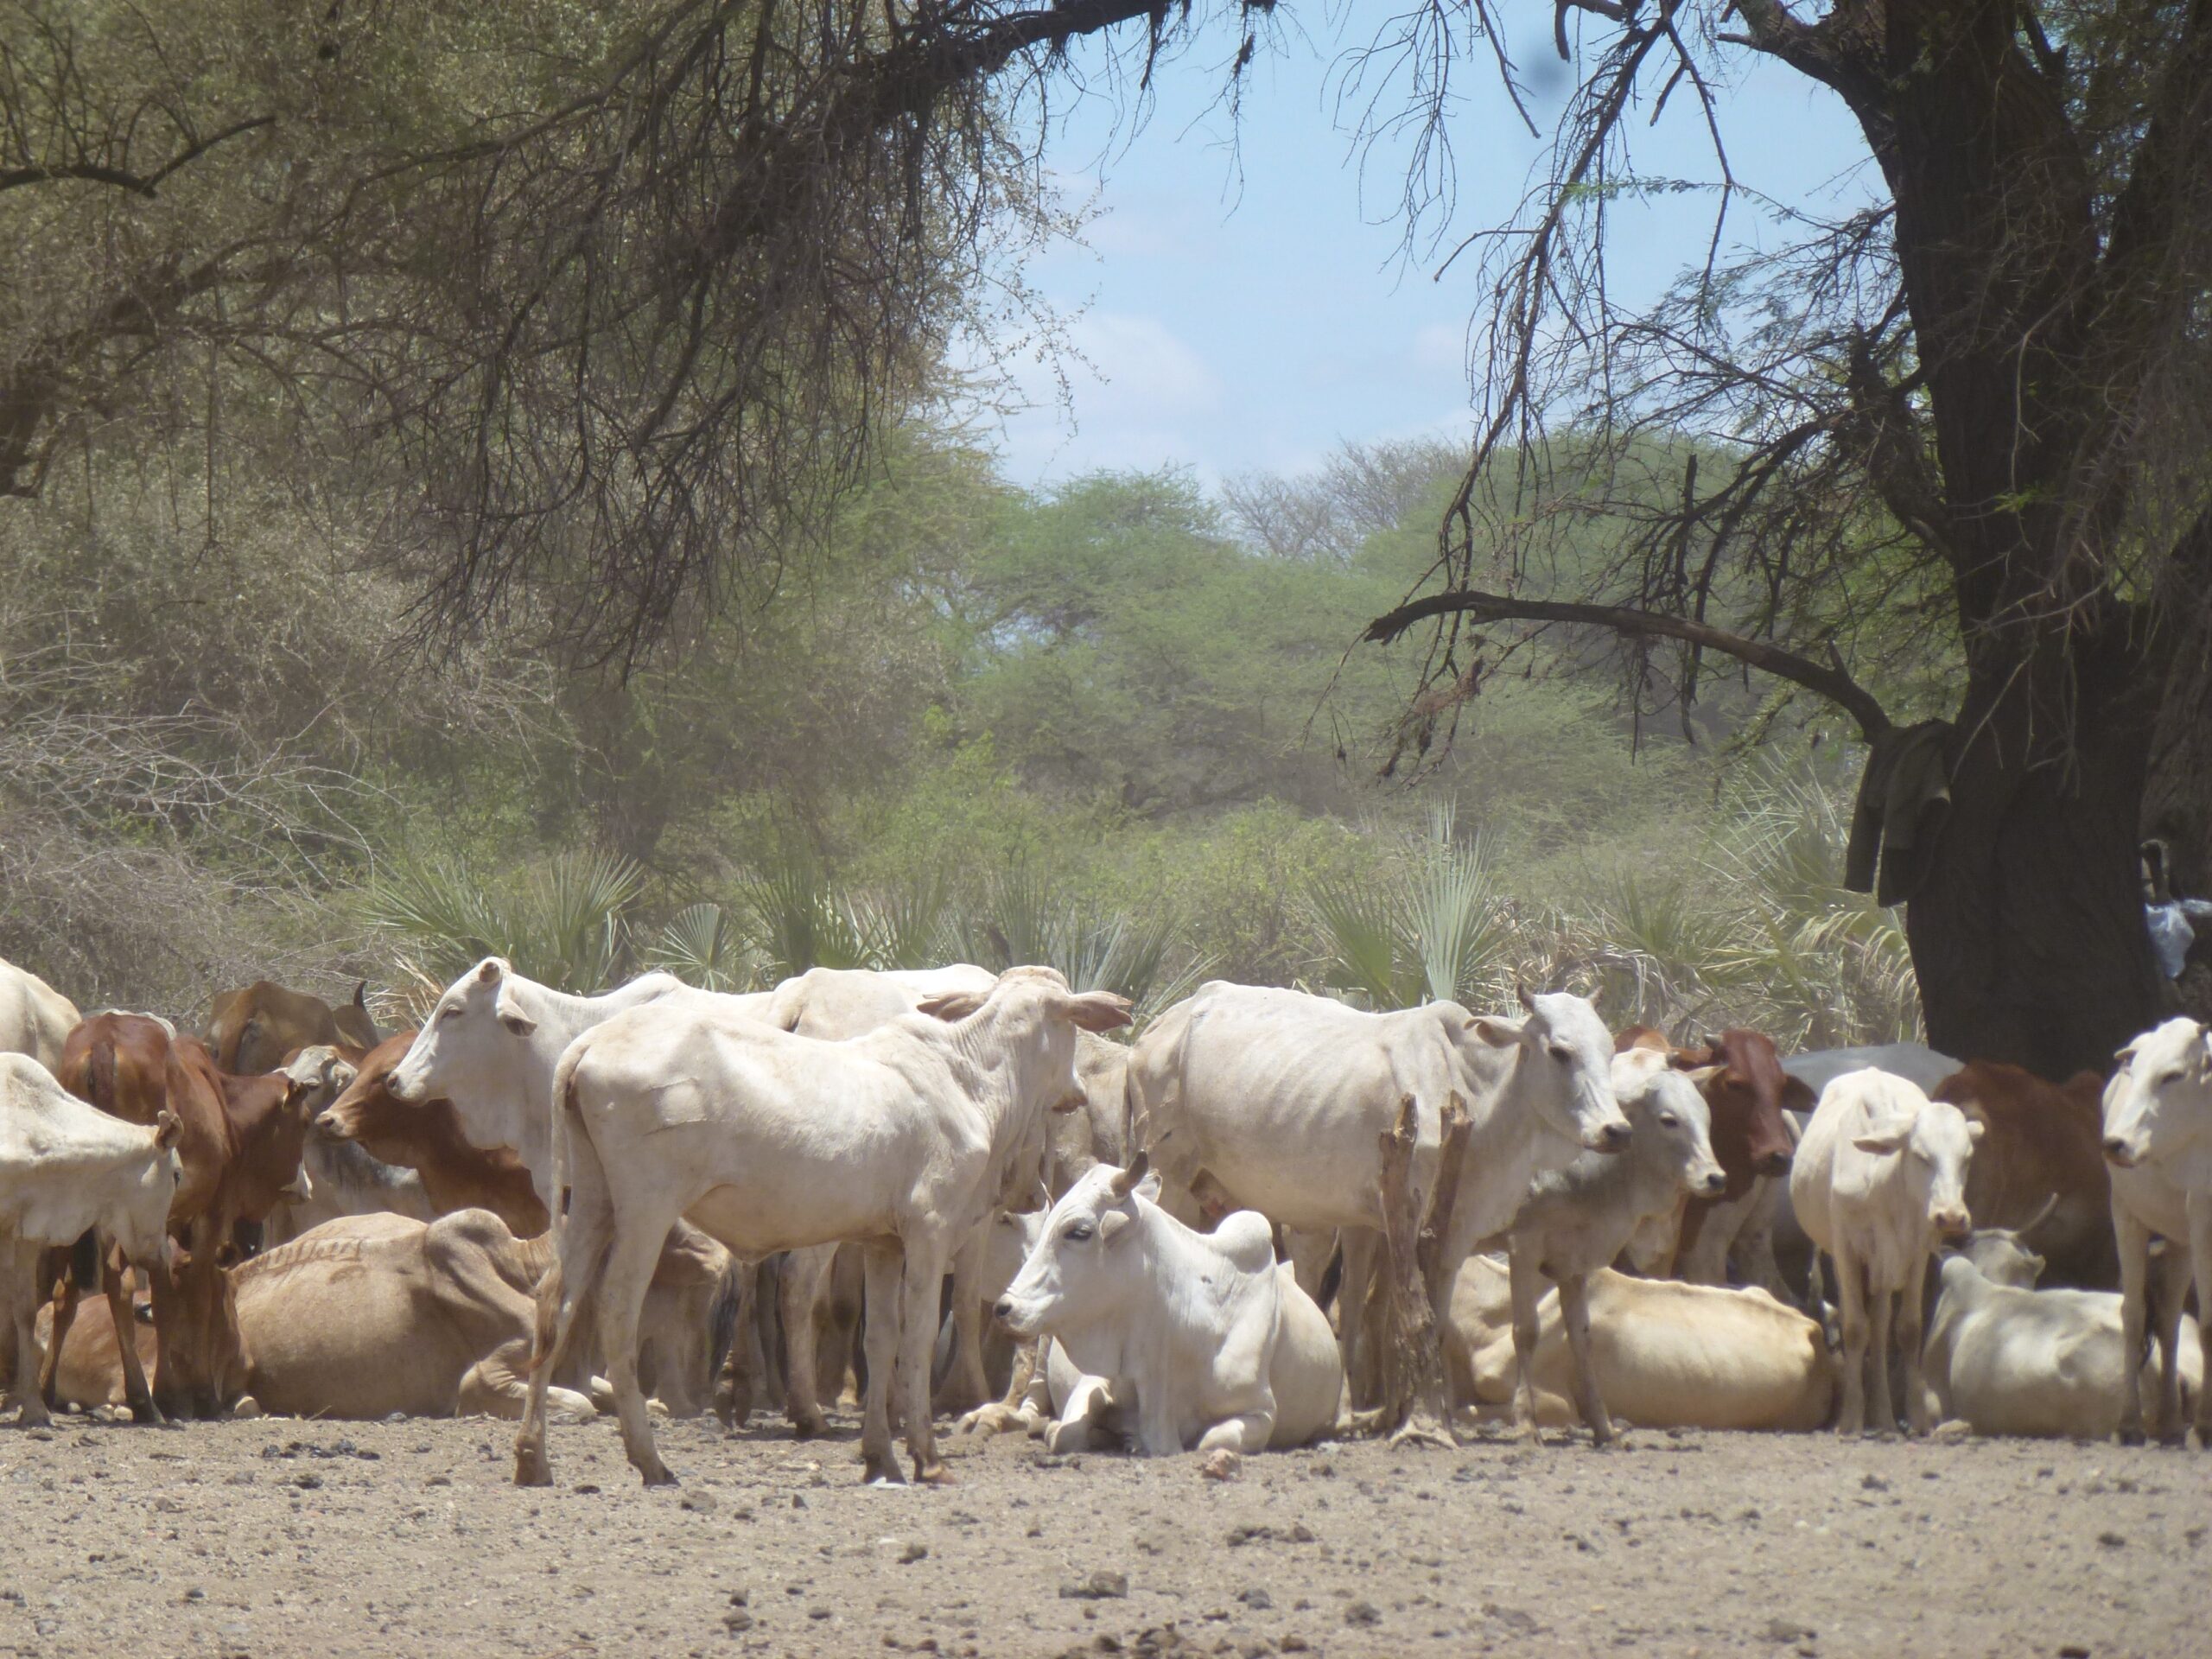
2027,933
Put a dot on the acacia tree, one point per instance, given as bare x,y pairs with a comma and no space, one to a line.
1964,425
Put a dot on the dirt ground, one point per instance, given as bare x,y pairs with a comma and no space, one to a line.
282,1537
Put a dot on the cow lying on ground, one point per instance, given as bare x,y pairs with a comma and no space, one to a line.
2006,1358
374,1314
1576,1220
1879,1177
68,1169
1667,1355
1182,1339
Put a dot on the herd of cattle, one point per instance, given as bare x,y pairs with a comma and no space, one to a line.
954,1184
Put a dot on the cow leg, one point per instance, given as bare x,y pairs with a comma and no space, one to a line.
1353,1284
966,1385
805,1276
881,1263
1082,1422
1574,1311
2170,1285
2200,1257
1880,1303
19,1265
922,1283
134,1390
1916,1416
568,1288
1528,1288
66,1285
2133,1239
734,1380
622,1289
1014,1409
1850,1293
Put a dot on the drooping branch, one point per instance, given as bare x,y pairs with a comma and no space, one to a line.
1833,683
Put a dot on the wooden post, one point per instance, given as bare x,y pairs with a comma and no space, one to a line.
1416,1406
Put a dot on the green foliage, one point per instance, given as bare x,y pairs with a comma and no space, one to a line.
561,922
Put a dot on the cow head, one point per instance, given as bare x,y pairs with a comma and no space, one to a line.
1748,1092
2159,1105
1934,1142
1081,1269
1013,1234
1032,1018
1564,1063
365,1111
1671,1122
467,1047
2001,1255
141,1223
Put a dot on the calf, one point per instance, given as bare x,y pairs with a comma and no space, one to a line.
1879,1177
1667,1355
2158,1138
1576,1220
426,1137
2040,1148
1198,1340
68,1169
2007,1358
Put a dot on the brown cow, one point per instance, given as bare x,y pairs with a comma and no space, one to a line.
2040,1140
253,1030
426,1137
240,1142
1747,1091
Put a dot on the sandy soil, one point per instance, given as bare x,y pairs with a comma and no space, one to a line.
280,1538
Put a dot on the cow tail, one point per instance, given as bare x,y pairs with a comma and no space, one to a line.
566,1113
99,1076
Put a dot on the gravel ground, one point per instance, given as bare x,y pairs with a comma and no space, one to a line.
278,1537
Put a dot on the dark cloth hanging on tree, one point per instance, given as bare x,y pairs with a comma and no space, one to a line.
1905,796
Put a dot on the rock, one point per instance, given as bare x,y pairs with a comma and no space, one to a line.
1873,1482
1301,1534
913,1552
697,1502
1362,1613
2111,1541
1220,1465
1096,1587
1256,1599
737,1621
1787,1631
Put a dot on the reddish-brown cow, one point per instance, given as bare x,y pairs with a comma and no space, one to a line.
252,1030
1748,1092
240,1142
2041,1141
426,1137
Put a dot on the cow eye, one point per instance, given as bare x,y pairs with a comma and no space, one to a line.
1668,1120
447,1014
1561,1053
1077,1231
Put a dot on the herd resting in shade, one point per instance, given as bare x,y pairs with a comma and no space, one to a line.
1270,1218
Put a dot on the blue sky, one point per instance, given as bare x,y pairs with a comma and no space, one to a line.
1232,312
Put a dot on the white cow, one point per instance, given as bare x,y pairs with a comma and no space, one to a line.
1193,1340
768,1141
1280,1098
1667,1355
67,1167
1879,1177
2158,1142
490,1047
1576,1220
1917,1063
35,1018
2006,1358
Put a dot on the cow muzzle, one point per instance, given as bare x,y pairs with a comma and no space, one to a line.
1775,1163
1613,1137
1953,1225
1714,1183
2120,1152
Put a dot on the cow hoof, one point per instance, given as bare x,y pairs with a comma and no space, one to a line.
809,1428
149,1414
2129,1436
879,1471
532,1468
934,1474
658,1475
1426,1437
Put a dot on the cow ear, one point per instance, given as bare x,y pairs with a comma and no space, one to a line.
512,1016
1499,1034
1114,1225
489,971
1703,1076
166,1129
1884,1137
1797,1094
1976,1128
1099,1011
954,1006
1148,1188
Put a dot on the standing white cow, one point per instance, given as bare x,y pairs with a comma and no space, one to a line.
767,1142
35,1018
1197,1340
67,1167
2159,1141
1576,1220
490,1047
1879,1177
1282,1097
